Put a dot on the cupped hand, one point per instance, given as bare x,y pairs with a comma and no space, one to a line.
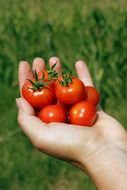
85,147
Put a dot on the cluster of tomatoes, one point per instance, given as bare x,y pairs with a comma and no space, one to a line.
61,98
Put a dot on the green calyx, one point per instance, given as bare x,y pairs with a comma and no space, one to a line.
52,73
38,84
66,78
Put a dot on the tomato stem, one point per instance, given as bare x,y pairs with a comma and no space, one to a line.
39,83
52,73
66,78
36,76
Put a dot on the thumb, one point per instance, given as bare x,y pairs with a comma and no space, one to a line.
24,106
32,126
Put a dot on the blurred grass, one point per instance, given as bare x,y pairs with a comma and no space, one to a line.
93,31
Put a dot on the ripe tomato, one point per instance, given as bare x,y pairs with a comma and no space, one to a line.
71,93
52,113
93,95
65,107
41,73
38,98
46,78
82,113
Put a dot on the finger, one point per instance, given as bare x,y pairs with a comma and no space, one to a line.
38,64
32,126
24,73
55,60
25,106
83,73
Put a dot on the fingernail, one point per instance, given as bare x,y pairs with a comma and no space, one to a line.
54,62
79,64
20,103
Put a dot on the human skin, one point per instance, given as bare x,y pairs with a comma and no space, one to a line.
100,151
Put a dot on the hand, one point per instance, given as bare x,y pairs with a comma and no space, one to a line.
100,150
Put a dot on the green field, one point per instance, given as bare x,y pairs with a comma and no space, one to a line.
95,32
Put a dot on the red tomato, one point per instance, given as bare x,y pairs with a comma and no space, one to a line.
93,95
71,93
47,78
41,73
38,98
65,107
52,113
82,113
50,74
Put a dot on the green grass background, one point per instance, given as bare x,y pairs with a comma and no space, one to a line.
94,31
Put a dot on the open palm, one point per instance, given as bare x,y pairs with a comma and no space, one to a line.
79,145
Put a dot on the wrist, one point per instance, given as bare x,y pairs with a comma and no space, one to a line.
107,168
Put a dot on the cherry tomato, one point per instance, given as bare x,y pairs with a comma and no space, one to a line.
52,113
38,98
65,107
41,73
49,75
46,79
93,95
71,93
83,113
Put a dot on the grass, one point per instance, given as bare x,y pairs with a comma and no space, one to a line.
74,30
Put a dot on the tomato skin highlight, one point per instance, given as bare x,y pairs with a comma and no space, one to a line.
83,113
70,94
93,95
38,98
52,113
